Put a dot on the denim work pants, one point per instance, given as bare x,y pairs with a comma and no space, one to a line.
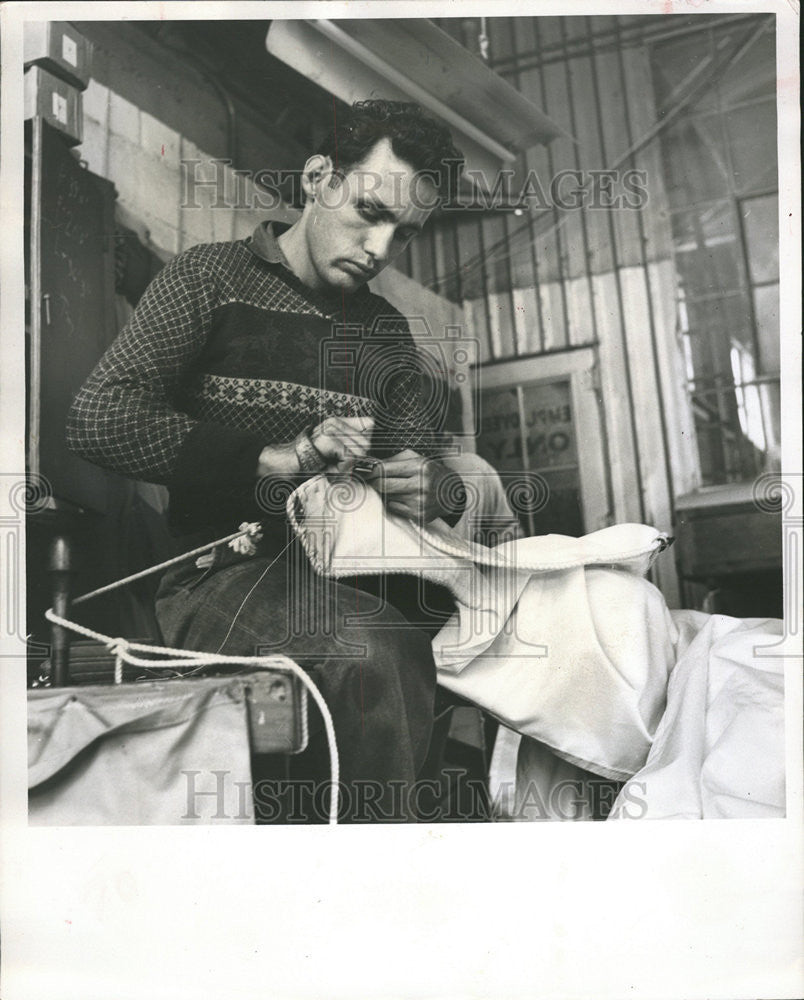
373,667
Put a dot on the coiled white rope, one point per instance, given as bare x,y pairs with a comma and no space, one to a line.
123,650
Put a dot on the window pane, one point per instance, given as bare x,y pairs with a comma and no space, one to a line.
675,61
710,442
754,74
549,427
524,34
500,439
752,137
545,490
736,312
715,327
770,398
708,251
760,222
545,427
499,34
549,30
766,307
727,452
695,161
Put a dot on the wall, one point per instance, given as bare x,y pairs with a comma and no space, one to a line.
157,129
555,278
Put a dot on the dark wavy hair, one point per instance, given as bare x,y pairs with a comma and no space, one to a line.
415,138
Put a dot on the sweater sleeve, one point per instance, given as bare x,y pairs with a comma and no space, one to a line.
124,417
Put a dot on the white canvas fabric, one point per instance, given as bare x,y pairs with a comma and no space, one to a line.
550,633
561,639
718,752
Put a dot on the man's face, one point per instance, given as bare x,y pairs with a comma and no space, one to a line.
359,222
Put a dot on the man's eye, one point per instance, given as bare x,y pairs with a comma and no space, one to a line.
368,213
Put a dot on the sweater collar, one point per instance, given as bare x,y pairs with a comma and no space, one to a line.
264,243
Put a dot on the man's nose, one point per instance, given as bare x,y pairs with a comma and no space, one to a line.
378,242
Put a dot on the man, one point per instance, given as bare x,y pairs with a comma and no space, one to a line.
223,387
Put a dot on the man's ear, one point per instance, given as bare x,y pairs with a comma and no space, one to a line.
317,171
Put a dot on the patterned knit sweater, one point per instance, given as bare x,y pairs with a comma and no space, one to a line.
228,352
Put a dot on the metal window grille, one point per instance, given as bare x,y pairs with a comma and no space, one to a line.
722,183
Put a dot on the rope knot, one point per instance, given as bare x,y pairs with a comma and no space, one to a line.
244,544
119,646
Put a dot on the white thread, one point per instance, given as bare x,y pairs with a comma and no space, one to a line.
251,591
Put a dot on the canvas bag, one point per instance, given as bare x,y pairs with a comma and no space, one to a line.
160,752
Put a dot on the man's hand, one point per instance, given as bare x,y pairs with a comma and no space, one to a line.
411,485
342,440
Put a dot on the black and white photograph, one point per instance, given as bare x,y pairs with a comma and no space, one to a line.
401,432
